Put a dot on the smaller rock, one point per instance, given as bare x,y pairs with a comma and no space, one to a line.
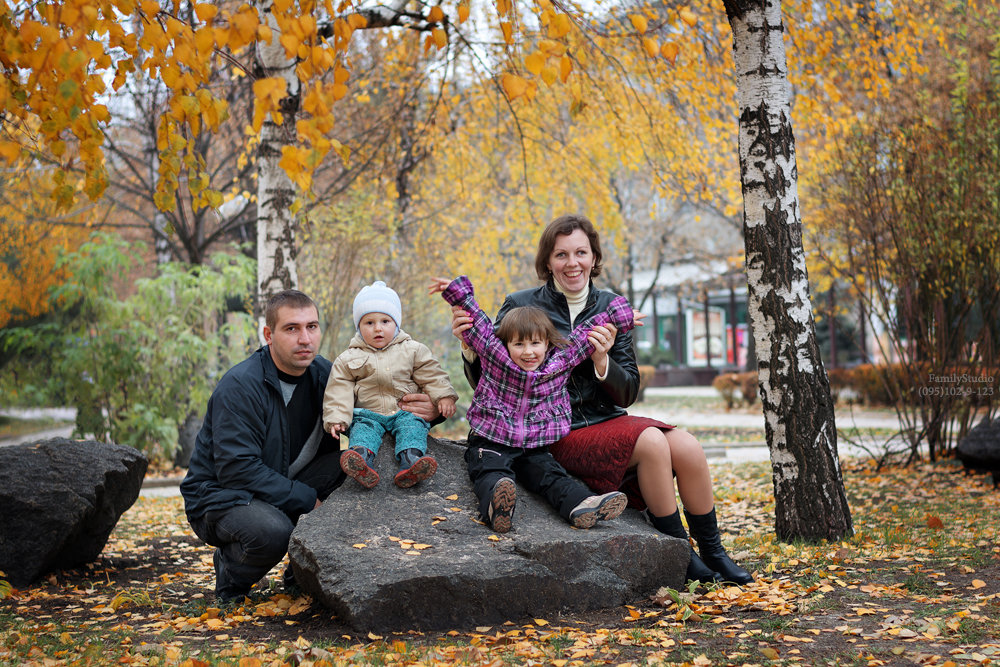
61,499
979,450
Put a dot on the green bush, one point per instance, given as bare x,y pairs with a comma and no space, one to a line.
655,357
136,367
727,384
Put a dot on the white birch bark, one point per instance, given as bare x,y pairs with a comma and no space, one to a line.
810,502
276,224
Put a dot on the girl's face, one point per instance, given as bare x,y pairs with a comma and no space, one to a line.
528,353
571,261
377,329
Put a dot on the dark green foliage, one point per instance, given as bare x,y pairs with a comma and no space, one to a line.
135,365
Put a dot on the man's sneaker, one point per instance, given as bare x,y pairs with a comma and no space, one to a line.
414,467
502,505
598,508
357,462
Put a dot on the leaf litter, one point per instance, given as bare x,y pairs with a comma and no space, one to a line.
918,584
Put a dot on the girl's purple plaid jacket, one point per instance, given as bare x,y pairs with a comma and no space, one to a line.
520,408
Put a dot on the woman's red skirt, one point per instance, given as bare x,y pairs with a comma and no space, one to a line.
599,454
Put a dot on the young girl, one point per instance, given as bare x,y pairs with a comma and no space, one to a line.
521,406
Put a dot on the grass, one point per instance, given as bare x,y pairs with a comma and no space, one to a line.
900,591
924,561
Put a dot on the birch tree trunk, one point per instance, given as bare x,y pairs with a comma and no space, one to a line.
276,222
810,502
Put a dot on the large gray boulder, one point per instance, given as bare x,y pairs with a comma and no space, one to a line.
979,450
61,499
418,558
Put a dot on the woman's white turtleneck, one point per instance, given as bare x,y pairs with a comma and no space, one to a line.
576,301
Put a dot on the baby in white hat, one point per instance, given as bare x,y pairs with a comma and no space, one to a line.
381,365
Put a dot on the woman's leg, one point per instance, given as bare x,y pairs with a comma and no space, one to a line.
657,457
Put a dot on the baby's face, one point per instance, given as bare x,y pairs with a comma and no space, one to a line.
377,329
528,353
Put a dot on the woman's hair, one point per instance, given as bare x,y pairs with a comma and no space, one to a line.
565,225
525,322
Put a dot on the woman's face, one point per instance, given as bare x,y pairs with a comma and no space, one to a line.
571,261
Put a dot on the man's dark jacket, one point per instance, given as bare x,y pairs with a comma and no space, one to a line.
243,451
591,400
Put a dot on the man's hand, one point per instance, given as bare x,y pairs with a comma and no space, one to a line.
421,405
447,407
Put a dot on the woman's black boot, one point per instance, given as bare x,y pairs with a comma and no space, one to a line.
705,530
671,525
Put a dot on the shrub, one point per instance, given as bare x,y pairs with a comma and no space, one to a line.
136,367
749,384
840,379
727,384
646,374
655,357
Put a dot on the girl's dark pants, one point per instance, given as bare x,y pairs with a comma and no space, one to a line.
534,469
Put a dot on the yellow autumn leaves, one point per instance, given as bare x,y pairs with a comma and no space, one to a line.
549,61
63,58
651,45
552,61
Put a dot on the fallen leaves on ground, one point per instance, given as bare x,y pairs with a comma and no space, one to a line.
919,583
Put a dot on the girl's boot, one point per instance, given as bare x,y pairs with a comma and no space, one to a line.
671,525
705,530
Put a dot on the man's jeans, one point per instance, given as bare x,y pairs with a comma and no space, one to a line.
251,539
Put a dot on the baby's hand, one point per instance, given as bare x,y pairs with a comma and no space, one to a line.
438,285
638,317
446,406
337,429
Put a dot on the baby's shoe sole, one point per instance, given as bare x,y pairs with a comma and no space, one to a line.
353,463
424,468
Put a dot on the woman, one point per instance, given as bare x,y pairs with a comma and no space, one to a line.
607,448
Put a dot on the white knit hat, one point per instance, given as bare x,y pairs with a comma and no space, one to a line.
377,298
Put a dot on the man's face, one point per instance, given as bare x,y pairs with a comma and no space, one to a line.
294,340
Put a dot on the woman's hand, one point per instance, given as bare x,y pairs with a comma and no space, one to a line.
460,321
421,405
602,337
